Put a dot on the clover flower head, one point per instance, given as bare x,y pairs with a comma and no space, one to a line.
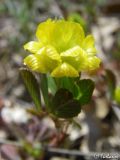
61,49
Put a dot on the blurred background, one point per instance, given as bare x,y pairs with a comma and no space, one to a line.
100,120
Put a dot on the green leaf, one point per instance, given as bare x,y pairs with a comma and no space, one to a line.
86,87
32,86
51,84
44,89
69,84
117,94
64,106
111,81
69,109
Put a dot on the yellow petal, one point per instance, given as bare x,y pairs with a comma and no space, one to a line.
45,31
91,51
44,60
49,58
64,70
89,41
33,46
61,34
75,56
89,45
93,63
31,62
52,53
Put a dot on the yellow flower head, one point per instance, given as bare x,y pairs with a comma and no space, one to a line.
61,49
